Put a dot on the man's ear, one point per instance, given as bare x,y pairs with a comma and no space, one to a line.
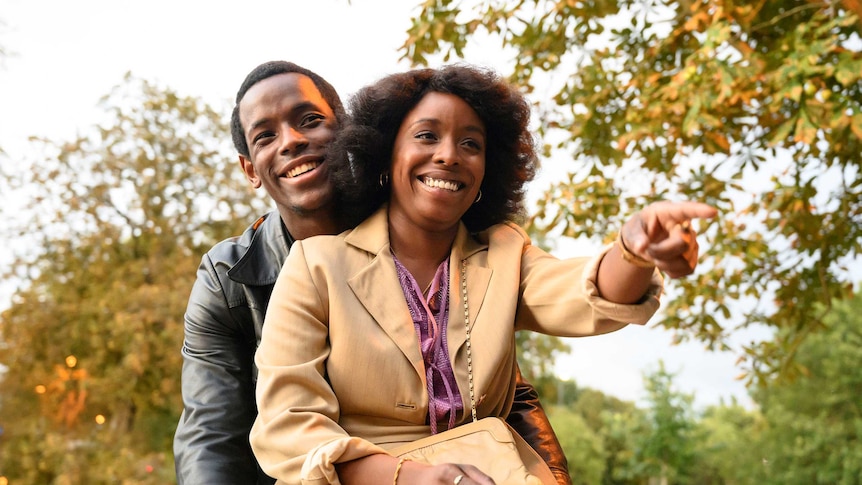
248,169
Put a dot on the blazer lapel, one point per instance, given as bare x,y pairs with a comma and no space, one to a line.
377,287
478,276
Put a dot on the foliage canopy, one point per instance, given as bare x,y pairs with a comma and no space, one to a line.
752,106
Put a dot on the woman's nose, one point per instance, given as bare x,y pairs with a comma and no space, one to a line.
447,154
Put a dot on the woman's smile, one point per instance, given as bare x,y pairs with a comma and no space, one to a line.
448,185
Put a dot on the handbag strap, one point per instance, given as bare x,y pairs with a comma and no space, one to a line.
534,463
469,344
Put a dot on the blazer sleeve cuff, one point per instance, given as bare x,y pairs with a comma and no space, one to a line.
319,465
638,313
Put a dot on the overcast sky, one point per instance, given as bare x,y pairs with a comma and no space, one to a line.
65,55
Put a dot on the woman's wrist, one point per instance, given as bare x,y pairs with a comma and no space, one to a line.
631,257
398,470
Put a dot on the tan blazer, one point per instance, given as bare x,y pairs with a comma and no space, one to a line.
339,356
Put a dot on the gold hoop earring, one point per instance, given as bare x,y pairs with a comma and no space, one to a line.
384,179
478,197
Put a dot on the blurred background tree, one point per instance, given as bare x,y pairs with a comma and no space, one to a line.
803,431
727,445
666,448
752,106
91,342
813,426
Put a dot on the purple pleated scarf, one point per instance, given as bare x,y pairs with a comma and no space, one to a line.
430,318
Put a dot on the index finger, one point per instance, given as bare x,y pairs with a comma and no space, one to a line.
667,215
688,210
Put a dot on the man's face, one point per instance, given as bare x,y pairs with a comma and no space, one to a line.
287,125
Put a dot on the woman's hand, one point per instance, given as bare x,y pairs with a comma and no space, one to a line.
661,234
446,474
380,468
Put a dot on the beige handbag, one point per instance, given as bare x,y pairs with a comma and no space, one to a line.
489,444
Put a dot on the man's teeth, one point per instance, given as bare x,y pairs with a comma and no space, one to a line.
305,167
441,184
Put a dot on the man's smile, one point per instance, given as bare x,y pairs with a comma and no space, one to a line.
303,168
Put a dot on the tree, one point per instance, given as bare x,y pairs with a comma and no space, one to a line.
728,451
117,222
814,423
582,446
666,449
622,431
752,106
592,404
617,423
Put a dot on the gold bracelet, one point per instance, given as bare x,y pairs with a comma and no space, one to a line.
631,257
398,470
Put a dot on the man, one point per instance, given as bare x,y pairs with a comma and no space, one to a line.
283,122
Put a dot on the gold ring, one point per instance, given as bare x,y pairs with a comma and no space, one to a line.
458,479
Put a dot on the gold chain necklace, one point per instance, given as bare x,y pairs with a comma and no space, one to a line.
469,344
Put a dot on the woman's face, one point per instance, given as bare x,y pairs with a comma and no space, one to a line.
438,163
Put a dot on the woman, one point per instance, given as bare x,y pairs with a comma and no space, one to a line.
364,345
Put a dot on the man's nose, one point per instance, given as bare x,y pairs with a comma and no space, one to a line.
293,140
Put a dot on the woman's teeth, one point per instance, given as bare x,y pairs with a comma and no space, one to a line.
441,184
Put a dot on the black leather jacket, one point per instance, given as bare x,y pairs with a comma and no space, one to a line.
223,321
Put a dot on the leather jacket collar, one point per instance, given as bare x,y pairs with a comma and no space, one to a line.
267,242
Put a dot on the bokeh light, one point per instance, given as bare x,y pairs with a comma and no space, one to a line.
71,361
